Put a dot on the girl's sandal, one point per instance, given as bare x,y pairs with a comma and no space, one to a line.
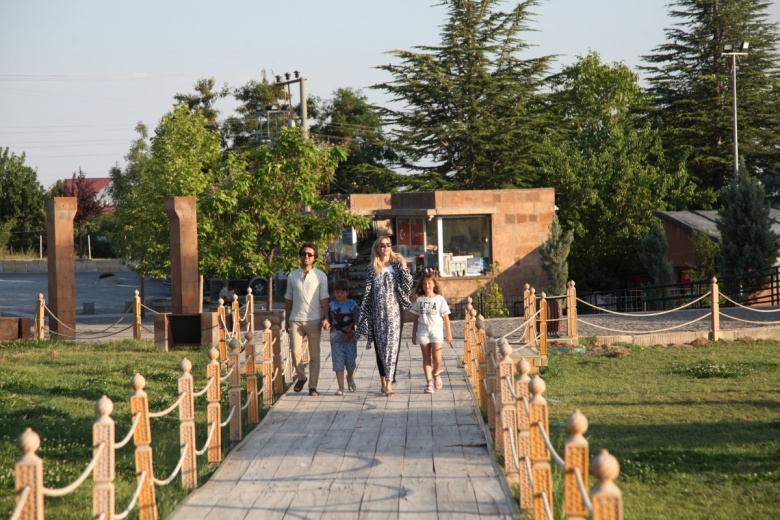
437,381
428,388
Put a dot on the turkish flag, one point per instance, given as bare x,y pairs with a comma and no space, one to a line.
403,234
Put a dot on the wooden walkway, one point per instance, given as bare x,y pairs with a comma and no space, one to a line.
363,455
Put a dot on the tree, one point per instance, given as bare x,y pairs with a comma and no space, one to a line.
350,120
22,202
707,252
268,203
554,253
242,130
746,237
88,206
203,100
691,85
608,170
653,251
470,110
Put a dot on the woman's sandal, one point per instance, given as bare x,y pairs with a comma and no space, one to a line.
437,381
428,388
384,389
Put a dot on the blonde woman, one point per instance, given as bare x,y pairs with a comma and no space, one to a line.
388,286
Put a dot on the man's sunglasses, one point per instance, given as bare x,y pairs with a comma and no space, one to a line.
385,245
304,255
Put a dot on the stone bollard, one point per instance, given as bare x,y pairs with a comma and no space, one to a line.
498,386
575,456
606,497
481,362
222,323
29,473
136,315
40,319
250,310
268,364
235,313
189,471
142,438
253,413
104,432
508,414
491,348
235,390
214,409
524,433
540,455
571,311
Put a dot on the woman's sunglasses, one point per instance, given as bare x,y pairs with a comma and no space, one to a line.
384,245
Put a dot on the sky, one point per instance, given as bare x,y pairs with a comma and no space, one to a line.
77,76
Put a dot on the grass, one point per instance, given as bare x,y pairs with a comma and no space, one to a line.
696,431
52,388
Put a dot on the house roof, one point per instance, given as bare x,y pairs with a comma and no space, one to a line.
704,220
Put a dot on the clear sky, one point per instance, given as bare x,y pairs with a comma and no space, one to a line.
76,76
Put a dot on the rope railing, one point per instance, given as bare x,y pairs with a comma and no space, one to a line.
524,324
737,304
149,309
656,331
748,321
546,504
583,491
29,468
646,314
553,454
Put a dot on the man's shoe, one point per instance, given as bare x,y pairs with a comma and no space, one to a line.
299,385
313,392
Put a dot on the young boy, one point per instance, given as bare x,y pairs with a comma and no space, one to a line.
344,315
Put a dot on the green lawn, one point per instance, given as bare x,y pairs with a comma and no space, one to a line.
696,431
52,388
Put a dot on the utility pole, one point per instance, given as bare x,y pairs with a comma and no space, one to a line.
729,50
301,81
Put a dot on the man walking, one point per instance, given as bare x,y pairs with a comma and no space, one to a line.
306,314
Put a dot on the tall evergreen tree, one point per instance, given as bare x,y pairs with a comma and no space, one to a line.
653,250
469,104
22,205
746,237
555,254
691,82
349,119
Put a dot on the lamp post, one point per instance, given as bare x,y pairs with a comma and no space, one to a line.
730,50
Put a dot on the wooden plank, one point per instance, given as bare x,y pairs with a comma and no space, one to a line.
417,496
348,487
455,497
381,492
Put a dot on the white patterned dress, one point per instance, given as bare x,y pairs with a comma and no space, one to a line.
380,313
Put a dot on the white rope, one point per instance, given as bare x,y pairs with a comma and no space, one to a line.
248,401
149,309
749,321
495,404
557,458
648,314
222,378
583,491
528,471
524,400
526,322
49,492
276,373
123,442
51,314
646,331
175,471
484,385
169,409
212,429
228,333
747,307
511,387
21,503
260,391
512,442
137,493
205,388
230,416
546,505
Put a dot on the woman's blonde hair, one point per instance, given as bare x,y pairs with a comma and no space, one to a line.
376,262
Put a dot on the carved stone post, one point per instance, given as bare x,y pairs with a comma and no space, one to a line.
571,311
480,378
524,433
29,473
606,497
276,345
575,456
214,409
253,414
222,323
103,432
142,438
40,317
506,383
185,280
475,354
250,310
531,327
136,315
466,336
189,471
235,312
61,266
527,312
490,383
540,455
268,364
499,385
235,391
543,329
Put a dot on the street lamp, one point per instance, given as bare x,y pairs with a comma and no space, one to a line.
730,50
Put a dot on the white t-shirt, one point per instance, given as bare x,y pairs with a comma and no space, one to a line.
430,311
306,294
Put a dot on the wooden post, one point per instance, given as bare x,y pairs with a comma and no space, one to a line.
276,345
136,315
499,386
476,356
571,311
235,312
103,432
214,409
575,456
531,327
253,414
540,455
506,383
466,336
606,497
543,327
481,376
235,390
715,318
524,433
189,470
222,323
40,318
29,473
527,312
142,438
268,364
491,365
250,310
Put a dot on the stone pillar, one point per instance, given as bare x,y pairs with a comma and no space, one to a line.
62,266
182,215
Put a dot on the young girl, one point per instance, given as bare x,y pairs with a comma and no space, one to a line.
431,328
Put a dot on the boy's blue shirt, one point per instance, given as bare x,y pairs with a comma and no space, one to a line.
343,321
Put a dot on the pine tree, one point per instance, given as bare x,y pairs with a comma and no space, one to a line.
652,253
470,104
554,253
691,82
747,240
